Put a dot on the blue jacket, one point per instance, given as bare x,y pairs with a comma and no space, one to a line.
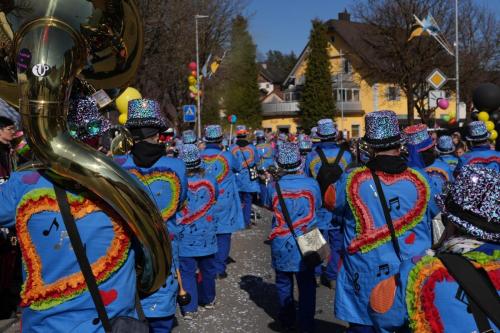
54,296
303,200
227,212
326,220
250,158
368,253
452,161
266,153
439,173
482,155
166,184
196,227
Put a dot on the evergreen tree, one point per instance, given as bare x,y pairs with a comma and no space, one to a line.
242,96
279,64
317,96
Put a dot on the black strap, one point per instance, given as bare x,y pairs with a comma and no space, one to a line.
325,161
244,158
387,214
482,295
284,210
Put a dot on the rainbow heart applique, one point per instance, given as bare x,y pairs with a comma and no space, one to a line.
282,229
368,236
248,154
39,295
422,280
217,165
194,188
484,160
162,175
437,172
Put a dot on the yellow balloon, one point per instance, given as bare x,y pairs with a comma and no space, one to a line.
122,119
128,95
490,126
493,135
483,116
192,80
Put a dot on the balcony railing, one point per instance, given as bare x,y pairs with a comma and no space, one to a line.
280,108
348,106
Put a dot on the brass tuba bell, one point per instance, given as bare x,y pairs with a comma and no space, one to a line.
44,46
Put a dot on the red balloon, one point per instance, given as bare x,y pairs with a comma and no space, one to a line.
192,66
443,103
193,73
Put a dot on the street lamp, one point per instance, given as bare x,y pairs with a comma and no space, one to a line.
196,18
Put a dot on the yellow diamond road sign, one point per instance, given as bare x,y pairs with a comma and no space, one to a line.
436,79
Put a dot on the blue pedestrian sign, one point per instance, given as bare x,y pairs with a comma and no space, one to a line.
189,113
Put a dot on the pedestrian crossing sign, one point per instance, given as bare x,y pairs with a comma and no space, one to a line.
189,112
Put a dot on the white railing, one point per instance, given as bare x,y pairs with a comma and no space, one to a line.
348,106
283,107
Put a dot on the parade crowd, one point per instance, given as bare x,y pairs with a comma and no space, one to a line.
403,227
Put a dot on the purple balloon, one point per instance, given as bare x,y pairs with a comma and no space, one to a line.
443,103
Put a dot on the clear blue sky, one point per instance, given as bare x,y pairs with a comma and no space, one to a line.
284,24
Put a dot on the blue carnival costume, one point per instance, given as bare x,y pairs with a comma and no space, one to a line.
305,147
165,180
266,153
302,197
196,233
369,256
246,156
480,152
446,150
227,211
327,222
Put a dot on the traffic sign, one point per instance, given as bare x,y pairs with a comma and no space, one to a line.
189,113
434,95
436,79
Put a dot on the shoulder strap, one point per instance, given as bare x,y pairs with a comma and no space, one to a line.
81,256
482,295
244,158
284,210
387,214
339,155
325,161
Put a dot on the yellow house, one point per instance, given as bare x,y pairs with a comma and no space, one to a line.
355,94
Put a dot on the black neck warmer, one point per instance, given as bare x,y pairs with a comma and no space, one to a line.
388,164
428,157
146,154
242,142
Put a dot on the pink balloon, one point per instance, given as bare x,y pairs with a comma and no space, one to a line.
192,66
443,103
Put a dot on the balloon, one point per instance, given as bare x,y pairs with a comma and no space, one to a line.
443,103
192,66
493,135
192,95
193,73
122,119
232,119
453,121
483,116
490,126
486,97
193,89
192,80
446,118
128,95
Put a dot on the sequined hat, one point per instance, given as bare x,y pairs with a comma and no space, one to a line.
418,137
472,202
189,137
327,129
144,113
445,145
314,134
289,157
282,137
213,133
382,129
259,134
305,143
241,131
476,131
190,155
84,119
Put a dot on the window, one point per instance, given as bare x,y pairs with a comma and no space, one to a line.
346,95
355,130
355,95
346,66
392,93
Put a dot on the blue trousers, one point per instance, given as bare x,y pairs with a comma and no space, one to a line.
263,194
161,324
246,202
223,248
307,298
202,292
358,328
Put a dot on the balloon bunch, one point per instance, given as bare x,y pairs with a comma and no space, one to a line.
122,103
194,92
486,98
443,104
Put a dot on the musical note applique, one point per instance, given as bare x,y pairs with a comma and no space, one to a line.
46,232
394,202
383,269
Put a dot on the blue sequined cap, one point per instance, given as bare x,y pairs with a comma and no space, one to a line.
327,129
213,133
260,134
241,130
84,119
190,155
476,131
305,142
289,156
189,137
472,202
382,129
445,145
144,113
418,136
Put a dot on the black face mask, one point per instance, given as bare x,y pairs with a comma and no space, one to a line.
146,154
388,164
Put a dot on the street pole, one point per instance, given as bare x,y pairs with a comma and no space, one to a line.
342,97
198,100
457,63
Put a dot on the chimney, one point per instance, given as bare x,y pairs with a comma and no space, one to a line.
345,16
